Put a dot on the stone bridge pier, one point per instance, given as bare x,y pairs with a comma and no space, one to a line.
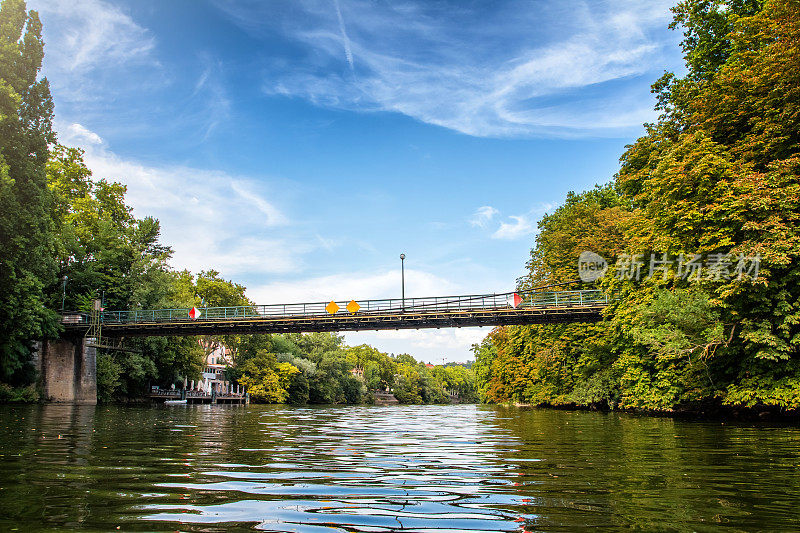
68,369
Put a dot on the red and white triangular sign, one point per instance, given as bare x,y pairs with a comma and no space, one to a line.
515,301
194,313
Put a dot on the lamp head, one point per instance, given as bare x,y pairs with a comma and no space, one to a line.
402,257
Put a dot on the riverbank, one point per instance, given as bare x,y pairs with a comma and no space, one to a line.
28,394
711,410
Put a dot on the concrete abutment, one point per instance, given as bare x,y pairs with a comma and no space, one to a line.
68,368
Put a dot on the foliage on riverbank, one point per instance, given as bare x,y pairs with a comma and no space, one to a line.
717,173
26,394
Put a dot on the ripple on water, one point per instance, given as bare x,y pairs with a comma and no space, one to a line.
354,469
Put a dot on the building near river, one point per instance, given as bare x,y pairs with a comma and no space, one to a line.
212,387
216,359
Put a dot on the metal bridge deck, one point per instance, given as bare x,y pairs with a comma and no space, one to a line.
535,307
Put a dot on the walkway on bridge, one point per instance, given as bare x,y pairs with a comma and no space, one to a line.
533,307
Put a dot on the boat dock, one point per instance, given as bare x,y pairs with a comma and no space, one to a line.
195,396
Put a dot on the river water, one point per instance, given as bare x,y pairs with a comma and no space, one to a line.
374,469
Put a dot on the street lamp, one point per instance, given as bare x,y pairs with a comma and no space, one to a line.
403,278
63,291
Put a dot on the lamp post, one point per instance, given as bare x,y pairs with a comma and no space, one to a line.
63,291
403,279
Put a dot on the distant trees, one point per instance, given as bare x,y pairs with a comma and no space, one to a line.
318,368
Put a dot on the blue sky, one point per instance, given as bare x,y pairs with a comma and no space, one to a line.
300,146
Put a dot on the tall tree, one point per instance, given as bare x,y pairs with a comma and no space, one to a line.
27,265
717,174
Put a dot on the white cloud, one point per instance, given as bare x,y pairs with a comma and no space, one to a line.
88,41
273,216
483,215
209,104
87,34
520,227
77,134
430,345
209,218
515,70
426,344
352,286
101,62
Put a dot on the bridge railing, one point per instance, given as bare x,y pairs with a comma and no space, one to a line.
532,299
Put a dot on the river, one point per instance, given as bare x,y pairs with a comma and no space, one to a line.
374,469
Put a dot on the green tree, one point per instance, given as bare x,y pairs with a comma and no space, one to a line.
595,220
266,379
378,368
721,173
717,173
409,386
27,267
107,252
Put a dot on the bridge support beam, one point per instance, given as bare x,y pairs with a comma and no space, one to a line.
69,370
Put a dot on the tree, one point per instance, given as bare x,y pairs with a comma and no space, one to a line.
266,379
27,265
595,220
721,173
105,251
378,368
409,385
717,174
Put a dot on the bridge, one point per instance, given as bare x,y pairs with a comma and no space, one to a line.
68,364
511,308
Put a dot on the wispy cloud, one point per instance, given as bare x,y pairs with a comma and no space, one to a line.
90,40
483,215
209,104
273,216
345,39
210,218
87,34
520,226
516,70
77,134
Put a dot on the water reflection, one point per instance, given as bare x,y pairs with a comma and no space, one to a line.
448,468
357,469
